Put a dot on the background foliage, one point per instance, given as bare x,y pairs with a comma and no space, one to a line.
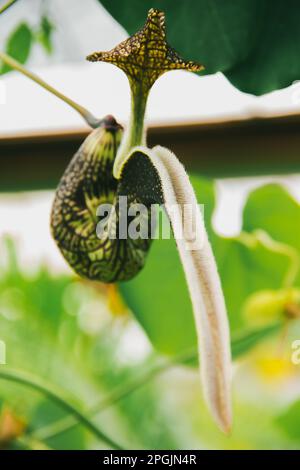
69,334
74,336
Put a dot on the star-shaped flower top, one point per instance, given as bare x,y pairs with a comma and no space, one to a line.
146,55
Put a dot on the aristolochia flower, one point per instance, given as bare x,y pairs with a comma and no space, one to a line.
103,171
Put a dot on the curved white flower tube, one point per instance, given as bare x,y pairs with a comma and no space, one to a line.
202,279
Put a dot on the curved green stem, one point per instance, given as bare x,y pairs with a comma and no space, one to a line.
239,346
118,394
7,5
139,98
36,384
87,116
135,134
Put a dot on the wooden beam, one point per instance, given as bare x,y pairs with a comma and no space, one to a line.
232,148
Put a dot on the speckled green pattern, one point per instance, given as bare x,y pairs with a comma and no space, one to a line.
146,55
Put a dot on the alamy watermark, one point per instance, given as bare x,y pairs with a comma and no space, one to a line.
295,358
134,220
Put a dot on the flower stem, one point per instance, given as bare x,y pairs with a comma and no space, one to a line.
135,133
7,5
136,126
36,384
116,395
87,116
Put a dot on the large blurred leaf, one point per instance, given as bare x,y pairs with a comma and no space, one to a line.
159,298
18,45
253,42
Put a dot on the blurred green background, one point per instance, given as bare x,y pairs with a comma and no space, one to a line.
81,341
88,363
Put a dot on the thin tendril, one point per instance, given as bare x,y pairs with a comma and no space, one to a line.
91,120
7,6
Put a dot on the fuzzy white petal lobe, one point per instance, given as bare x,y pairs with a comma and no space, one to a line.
203,282
205,291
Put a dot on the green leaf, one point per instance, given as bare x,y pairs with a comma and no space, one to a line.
273,209
18,45
253,42
159,298
289,421
44,35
